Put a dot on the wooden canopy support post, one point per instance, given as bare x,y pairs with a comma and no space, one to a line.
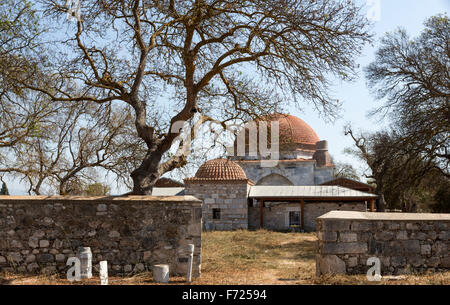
302,213
261,215
372,205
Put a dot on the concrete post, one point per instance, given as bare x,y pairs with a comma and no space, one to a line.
103,273
190,260
161,273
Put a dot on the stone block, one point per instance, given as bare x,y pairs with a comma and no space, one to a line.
38,234
329,264
114,234
377,247
44,243
362,226
412,226
352,261
60,258
45,258
392,248
16,257
445,262
433,261
440,248
411,246
348,237
385,261
209,201
432,235
33,267
384,235
344,248
15,244
393,226
425,249
102,208
402,235
444,235
336,225
327,236
139,267
415,260
418,235
30,258
127,268
398,261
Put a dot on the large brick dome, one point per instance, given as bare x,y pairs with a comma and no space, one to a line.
294,133
220,170
293,129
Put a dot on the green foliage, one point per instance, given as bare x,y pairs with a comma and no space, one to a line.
346,170
442,199
97,189
4,189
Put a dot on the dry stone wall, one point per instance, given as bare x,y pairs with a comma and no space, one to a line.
403,242
38,234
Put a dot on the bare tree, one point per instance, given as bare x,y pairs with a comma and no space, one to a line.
345,170
78,140
20,110
412,76
202,60
401,175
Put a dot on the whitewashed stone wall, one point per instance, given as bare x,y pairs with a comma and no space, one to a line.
229,197
298,173
39,233
403,242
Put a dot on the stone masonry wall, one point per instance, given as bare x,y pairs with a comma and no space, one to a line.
316,209
298,173
403,242
277,216
230,198
39,234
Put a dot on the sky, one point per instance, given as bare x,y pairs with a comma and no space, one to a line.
356,98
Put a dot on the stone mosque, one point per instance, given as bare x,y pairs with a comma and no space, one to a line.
241,193
303,157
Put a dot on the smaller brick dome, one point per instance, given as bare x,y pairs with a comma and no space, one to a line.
220,170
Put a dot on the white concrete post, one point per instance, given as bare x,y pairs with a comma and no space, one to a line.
161,273
190,260
103,273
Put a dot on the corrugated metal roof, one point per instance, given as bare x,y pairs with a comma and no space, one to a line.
313,191
168,191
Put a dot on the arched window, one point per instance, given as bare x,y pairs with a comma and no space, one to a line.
274,179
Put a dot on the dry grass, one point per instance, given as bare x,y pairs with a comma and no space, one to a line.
246,257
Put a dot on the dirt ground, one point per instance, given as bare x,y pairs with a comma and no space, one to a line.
247,257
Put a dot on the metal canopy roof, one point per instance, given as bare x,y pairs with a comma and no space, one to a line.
313,191
168,191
